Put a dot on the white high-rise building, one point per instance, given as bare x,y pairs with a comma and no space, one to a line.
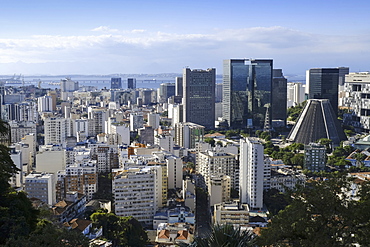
45,104
252,170
218,162
138,192
97,117
153,120
57,130
67,87
165,141
41,186
136,121
81,129
122,131
174,172
357,95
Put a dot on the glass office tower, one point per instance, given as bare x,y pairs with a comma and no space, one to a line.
246,92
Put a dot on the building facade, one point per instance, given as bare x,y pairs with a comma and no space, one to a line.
279,96
218,162
322,83
251,172
357,95
199,96
41,186
137,193
314,157
116,83
247,85
188,134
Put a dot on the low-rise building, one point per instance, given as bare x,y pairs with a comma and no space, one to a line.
231,213
69,208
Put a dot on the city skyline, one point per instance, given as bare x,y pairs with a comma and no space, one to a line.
43,37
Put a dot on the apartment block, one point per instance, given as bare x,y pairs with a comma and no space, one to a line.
137,192
41,186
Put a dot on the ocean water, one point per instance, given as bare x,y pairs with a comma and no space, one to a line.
99,82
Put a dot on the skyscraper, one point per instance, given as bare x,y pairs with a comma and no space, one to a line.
247,85
116,83
322,83
178,86
166,90
131,83
199,96
279,97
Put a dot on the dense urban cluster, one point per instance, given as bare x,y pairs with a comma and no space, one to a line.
192,160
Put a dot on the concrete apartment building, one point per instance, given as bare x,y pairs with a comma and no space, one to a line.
218,162
252,169
41,186
57,130
106,157
314,157
81,177
137,192
231,213
357,95
188,134
219,189
20,129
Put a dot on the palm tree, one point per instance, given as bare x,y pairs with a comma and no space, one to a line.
225,236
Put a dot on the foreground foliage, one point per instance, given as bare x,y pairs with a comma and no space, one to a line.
122,231
225,236
322,214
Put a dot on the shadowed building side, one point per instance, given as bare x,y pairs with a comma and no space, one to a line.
317,121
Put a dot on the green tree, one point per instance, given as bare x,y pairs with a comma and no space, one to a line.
225,236
274,200
210,140
360,157
298,160
326,142
48,234
17,216
322,214
122,231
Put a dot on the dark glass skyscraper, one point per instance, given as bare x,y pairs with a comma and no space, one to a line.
247,85
131,83
116,83
323,83
199,96
279,96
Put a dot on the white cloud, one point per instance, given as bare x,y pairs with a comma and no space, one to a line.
140,50
104,29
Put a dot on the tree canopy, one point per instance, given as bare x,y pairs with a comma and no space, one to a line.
224,236
322,214
123,231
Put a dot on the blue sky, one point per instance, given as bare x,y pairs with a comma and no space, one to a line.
104,37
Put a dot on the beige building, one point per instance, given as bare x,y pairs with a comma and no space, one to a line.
137,192
219,189
231,213
218,162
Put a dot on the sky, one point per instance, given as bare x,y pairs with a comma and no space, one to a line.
164,36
